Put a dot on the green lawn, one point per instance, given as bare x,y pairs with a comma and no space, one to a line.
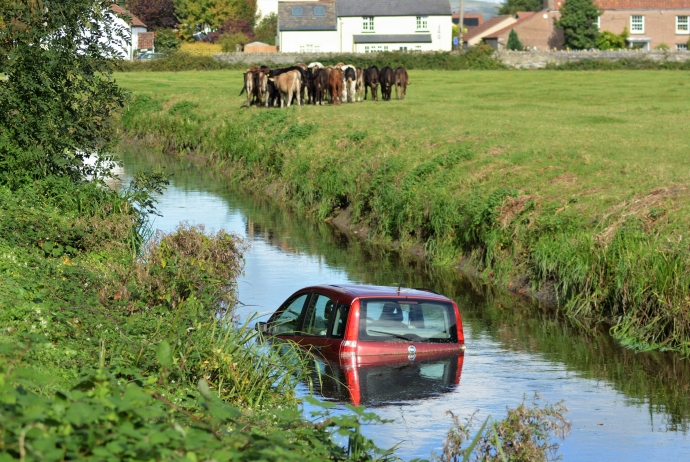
575,179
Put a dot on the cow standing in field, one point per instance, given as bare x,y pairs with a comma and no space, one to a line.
359,85
401,81
335,85
314,69
249,85
349,83
387,80
320,79
371,81
255,84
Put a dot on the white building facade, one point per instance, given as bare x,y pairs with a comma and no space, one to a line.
363,26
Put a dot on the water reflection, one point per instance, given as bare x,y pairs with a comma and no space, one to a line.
624,405
383,381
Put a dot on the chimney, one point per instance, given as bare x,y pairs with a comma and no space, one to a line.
549,5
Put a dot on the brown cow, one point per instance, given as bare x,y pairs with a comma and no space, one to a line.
371,81
402,81
359,87
289,84
321,85
335,85
387,80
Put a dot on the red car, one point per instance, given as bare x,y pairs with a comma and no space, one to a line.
360,321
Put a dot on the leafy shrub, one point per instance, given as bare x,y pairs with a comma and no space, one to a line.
230,41
167,41
607,40
265,31
662,46
177,62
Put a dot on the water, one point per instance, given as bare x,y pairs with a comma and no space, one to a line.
623,405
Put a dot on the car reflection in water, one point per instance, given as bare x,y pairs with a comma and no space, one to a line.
378,381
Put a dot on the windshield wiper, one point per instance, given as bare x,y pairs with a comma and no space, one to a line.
391,334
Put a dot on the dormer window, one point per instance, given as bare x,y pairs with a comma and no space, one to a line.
297,11
319,11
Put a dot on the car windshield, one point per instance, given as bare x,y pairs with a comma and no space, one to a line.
391,320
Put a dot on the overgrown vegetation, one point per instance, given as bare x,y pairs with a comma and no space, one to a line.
589,222
579,23
526,434
114,346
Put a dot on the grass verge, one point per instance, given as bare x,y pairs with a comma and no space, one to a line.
570,180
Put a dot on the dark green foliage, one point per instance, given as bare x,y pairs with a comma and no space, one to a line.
266,30
620,64
167,41
578,21
58,99
513,6
478,58
514,42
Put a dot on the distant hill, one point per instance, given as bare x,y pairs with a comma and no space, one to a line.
490,9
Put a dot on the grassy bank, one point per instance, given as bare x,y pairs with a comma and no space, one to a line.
573,181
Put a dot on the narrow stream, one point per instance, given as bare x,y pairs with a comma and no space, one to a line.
623,405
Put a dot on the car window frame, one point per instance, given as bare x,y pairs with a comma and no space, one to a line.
333,296
300,318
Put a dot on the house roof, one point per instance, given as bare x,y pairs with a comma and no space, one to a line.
393,8
133,20
479,30
642,4
524,17
397,38
289,21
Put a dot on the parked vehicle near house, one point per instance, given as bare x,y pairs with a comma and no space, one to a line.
149,56
361,321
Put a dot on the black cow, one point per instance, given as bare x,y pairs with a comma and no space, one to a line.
387,80
371,80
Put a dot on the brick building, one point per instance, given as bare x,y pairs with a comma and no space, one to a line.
650,23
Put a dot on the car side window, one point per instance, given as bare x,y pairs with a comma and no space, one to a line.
340,318
286,321
319,314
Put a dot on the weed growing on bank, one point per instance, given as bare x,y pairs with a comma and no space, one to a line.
588,222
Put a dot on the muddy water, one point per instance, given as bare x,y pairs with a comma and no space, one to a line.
623,406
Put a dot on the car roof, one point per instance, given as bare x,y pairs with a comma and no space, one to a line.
369,291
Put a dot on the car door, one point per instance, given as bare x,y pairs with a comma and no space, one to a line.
323,323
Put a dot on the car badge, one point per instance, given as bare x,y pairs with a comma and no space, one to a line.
412,350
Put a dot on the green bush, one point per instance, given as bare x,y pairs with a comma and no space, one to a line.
177,62
167,41
607,40
662,46
514,42
265,30
229,42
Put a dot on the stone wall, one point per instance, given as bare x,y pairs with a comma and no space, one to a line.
514,59
539,59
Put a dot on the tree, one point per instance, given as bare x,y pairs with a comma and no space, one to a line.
513,6
167,41
156,14
196,14
58,100
578,21
267,29
514,42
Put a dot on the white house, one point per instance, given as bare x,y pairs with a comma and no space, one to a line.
364,26
134,26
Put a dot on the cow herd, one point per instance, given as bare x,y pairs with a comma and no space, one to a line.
316,83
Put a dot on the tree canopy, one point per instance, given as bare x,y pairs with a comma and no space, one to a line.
513,6
578,21
156,14
58,98
196,14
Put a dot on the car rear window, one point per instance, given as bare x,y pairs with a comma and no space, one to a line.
390,320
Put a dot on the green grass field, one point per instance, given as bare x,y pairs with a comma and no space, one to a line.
574,180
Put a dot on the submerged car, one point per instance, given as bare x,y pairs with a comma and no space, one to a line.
363,321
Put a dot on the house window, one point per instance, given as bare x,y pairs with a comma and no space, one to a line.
422,22
637,24
319,11
368,23
681,47
417,48
682,25
297,11
366,48
403,48
598,23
